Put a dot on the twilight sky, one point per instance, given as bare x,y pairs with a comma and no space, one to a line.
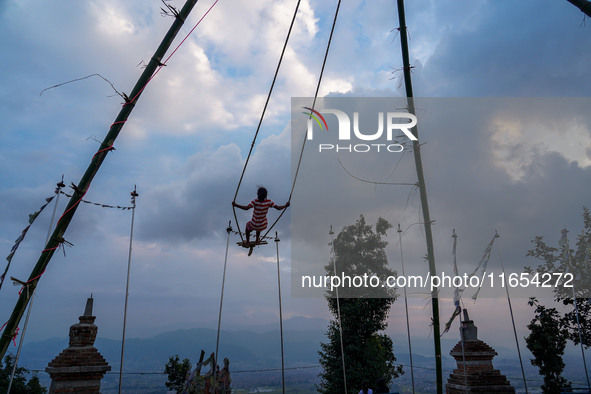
525,170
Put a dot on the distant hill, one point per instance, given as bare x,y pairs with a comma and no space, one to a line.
248,352
245,349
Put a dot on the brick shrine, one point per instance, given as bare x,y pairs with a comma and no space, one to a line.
80,367
475,372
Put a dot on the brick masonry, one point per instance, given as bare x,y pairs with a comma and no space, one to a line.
80,367
475,372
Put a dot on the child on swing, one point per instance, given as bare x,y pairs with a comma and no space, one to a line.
258,222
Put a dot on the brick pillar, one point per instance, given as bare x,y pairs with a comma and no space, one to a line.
80,367
475,372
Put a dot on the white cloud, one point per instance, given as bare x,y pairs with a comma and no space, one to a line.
111,19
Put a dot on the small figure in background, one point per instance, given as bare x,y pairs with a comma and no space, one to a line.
365,388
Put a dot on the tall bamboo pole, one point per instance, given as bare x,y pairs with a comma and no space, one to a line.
583,5
423,193
82,187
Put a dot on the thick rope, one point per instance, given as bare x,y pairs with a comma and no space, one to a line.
497,236
134,194
295,177
464,357
263,113
334,263
455,237
280,316
578,322
581,339
217,343
20,344
412,373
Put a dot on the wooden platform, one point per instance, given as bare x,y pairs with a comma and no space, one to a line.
252,244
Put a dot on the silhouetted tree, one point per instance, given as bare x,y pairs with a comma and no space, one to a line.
19,382
177,372
577,262
359,252
547,343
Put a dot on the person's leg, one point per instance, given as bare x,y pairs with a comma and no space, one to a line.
258,237
248,229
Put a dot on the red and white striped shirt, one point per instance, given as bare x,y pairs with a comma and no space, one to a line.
259,216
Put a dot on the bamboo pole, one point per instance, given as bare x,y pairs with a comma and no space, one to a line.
84,184
583,5
423,193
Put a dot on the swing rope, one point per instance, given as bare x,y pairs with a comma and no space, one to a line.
134,194
412,374
462,339
20,345
217,342
263,114
578,322
304,143
334,264
497,236
295,177
464,356
280,315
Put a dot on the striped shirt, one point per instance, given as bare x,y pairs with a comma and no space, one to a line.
259,216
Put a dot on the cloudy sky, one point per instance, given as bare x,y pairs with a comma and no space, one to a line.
521,167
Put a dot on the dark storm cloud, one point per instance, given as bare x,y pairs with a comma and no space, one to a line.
509,52
198,204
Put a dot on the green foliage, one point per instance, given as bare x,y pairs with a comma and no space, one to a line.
19,382
359,251
563,259
547,343
177,372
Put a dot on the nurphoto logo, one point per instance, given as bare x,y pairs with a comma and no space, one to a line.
395,121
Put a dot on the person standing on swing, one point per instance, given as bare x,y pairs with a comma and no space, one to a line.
258,222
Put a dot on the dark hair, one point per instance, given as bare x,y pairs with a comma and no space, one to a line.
381,386
365,386
262,193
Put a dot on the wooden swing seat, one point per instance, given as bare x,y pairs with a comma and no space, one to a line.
252,244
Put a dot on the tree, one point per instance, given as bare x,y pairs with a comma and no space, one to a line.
577,262
19,382
547,343
177,372
359,253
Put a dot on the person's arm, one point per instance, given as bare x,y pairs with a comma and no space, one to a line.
244,207
280,207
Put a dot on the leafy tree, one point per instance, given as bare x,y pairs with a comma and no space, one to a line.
19,382
576,261
34,386
177,372
547,343
359,252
